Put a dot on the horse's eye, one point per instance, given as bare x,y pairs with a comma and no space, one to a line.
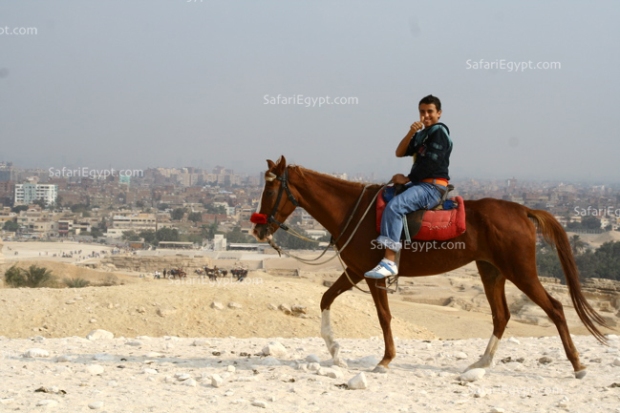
270,193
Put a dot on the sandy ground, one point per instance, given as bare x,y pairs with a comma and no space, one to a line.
195,345
229,375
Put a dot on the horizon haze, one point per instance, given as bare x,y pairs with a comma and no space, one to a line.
528,90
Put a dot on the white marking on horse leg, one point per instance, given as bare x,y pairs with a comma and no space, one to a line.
328,335
487,358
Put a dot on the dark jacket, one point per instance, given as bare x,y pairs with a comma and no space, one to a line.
431,148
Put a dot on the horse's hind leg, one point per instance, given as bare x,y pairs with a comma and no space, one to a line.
527,281
494,283
341,285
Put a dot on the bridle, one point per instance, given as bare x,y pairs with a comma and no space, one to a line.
283,187
258,218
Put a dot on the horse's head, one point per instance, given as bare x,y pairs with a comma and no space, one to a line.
277,202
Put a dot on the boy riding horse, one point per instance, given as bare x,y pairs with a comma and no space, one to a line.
428,141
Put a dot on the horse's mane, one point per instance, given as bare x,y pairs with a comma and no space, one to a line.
339,181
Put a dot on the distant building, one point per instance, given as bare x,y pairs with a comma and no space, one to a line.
135,222
175,244
219,242
64,227
26,194
6,171
7,193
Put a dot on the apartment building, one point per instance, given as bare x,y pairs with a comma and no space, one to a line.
135,222
26,194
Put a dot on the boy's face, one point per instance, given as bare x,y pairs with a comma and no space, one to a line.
429,115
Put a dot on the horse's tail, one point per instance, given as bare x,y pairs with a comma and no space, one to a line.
555,235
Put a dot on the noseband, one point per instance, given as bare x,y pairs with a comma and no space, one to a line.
262,218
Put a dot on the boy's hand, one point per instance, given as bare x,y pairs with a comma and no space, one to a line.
400,179
417,126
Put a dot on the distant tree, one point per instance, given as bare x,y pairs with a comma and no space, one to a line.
17,209
96,232
195,217
177,214
287,240
236,236
548,264
131,236
39,202
140,204
607,258
148,236
167,234
79,208
32,277
587,263
577,245
211,209
163,207
103,224
590,222
210,229
11,226
195,238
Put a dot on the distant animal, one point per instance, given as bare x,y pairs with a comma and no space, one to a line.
177,273
215,272
239,273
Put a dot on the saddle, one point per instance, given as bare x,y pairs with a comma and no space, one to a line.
444,222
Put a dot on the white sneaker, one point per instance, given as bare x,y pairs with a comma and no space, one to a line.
385,268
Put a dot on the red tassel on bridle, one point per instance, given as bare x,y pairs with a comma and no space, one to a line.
258,219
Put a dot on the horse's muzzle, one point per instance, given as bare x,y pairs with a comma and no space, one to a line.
261,232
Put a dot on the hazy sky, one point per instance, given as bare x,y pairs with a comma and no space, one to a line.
137,84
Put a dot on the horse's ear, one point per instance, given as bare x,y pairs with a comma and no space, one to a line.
270,164
280,165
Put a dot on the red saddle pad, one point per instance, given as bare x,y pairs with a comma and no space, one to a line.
436,225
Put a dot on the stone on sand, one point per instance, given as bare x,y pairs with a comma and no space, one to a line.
100,335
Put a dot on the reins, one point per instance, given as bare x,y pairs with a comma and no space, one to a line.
332,241
284,187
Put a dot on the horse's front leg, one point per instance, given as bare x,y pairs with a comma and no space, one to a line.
341,285
379,295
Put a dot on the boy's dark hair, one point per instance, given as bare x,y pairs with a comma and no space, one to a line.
430,99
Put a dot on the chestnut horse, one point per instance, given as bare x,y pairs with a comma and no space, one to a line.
500,238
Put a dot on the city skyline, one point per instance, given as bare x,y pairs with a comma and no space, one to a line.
73,173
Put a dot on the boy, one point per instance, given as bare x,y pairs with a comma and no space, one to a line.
428,141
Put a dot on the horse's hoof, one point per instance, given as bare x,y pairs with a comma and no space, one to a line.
340,363
581,374
380,369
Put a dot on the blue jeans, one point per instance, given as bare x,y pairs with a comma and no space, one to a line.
418,196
